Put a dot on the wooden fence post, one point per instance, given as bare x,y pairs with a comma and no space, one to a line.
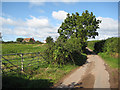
22,60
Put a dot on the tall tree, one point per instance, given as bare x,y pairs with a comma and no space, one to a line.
82,27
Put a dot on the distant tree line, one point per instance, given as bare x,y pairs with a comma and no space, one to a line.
19,41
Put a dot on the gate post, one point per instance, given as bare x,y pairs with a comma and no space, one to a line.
22,60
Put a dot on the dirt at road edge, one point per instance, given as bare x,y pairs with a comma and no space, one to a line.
88,79
113,74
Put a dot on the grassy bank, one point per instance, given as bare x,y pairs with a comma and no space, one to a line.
39,78
107,49
111,61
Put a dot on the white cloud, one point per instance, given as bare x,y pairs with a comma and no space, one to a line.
9,21
108,23
6,21
33,27
60,15
32,22
37,22
7,31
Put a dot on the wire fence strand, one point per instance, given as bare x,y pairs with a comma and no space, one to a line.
25,60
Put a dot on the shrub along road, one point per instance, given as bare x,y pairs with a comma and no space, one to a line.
93,74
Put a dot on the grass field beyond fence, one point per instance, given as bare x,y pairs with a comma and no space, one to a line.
22,48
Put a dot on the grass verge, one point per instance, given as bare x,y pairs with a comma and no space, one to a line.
43,77
111,61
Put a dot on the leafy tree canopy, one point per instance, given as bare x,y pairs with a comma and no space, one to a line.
49,39
83,26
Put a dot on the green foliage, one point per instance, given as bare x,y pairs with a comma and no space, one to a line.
42,77
83,27
111,45
31,41
62,52
91,44
56,53
80,27
108,49
74,32
19,39
9,42
112,61
73,44
49,39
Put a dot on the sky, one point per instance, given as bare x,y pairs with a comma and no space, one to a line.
42,19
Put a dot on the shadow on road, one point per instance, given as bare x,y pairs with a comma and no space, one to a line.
79,59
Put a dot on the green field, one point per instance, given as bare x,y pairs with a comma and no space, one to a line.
38,76
22,48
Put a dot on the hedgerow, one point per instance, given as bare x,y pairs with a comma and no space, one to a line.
109,46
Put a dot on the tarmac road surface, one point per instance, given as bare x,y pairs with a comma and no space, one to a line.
95,66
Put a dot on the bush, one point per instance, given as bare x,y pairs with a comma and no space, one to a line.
56,52
63,52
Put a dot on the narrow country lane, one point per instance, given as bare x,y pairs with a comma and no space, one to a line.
93,74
